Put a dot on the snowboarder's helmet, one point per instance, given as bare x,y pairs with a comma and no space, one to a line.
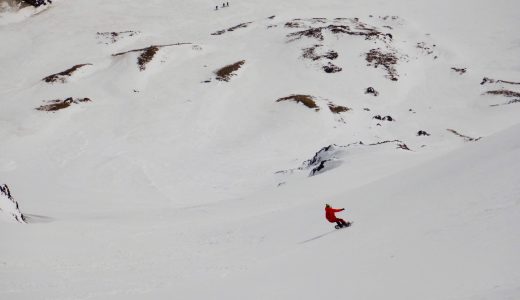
326,205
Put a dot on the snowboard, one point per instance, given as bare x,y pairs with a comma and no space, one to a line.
343,226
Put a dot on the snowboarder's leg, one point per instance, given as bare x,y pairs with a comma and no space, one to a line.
340,224
343,222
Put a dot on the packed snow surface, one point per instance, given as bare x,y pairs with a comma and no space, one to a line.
164,149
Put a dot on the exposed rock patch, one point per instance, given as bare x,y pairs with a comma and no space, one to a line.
507,103
331,156
62,76
306,100
113,37
425,48
239,26
321,28
55,105
465,137
225,73
385,118
337,108
37,3
490,80
461,71
348,26
372,91
388,60
507,94
148,53
146,57
9,206
331,68
310,53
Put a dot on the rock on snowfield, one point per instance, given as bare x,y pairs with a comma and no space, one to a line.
9,209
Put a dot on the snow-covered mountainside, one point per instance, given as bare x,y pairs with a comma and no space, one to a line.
186,149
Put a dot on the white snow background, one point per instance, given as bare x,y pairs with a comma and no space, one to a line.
171,184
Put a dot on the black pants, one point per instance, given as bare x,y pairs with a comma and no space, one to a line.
341,222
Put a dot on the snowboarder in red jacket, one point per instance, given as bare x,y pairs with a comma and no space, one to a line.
330,214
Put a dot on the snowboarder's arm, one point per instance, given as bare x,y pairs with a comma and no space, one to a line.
338,209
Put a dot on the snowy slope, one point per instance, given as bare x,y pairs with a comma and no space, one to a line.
154,178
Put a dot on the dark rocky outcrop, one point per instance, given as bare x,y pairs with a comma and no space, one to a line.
459,70
303,99
9,206
331,68
62,76
376,58
37,3
242,25
55,105
148,53
465,137
225,73
371,90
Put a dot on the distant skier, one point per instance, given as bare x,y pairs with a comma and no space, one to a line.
330,214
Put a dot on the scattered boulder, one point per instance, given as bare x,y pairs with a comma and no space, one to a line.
425,48
371,90
385,118
331,68
422,133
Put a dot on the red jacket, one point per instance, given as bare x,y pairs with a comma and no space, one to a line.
330,213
